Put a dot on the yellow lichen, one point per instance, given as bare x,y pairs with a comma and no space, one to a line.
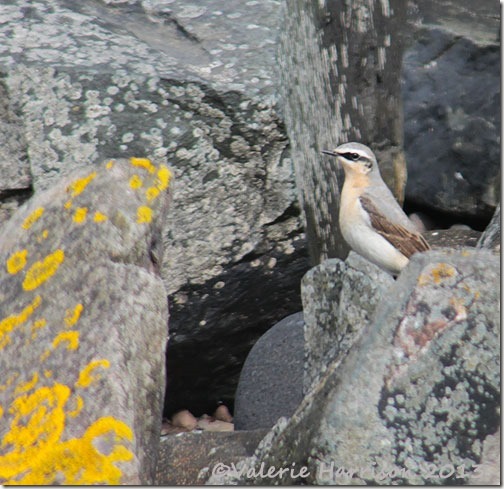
32,218
72,337
73,315
143,163
16,261
79,404
41,271
436,274
39,323
80,215
68,204
109,165
164,176
37,455
79,185
43,235
15,320
99,217
144,214
162,181
135,182
151,193
85,377
27,386
48,374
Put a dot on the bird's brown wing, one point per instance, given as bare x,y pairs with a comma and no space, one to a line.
405,241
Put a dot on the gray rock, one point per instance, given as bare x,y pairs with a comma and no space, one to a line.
208,452
416,395
339,76
271,381
191,84
83,329
452,238
339,299
451,93
491,238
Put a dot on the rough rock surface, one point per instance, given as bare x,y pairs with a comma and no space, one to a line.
491,238
189,459
83,328
339,299
451,93
271,381
339,71
418,394
187,82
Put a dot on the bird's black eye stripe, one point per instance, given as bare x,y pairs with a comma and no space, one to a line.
351,156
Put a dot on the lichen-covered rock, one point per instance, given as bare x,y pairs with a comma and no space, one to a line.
187,82
83,328
339,299
418,394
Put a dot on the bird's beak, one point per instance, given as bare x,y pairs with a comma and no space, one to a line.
330,153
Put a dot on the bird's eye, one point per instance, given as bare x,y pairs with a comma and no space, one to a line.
352,156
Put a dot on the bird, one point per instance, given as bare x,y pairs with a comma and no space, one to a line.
370,219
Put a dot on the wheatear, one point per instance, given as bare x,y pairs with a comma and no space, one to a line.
370,219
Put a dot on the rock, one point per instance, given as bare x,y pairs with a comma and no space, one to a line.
222,414
451,93
339,299
416,395
271,381
191,458
184,419
339,75
83,328
188,83
488,472
452,238
491,238
208,423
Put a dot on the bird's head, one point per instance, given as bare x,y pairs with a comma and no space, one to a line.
354,158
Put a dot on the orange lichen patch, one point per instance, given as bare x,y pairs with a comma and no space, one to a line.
27,386
16,262
80,215
79,185
43,270
73,315
71,337
79,404
143,163
144,214
99,217
32,218
109,165
436,274
135,182
85,377
15,320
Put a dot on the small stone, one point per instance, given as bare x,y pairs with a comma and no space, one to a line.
184,419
